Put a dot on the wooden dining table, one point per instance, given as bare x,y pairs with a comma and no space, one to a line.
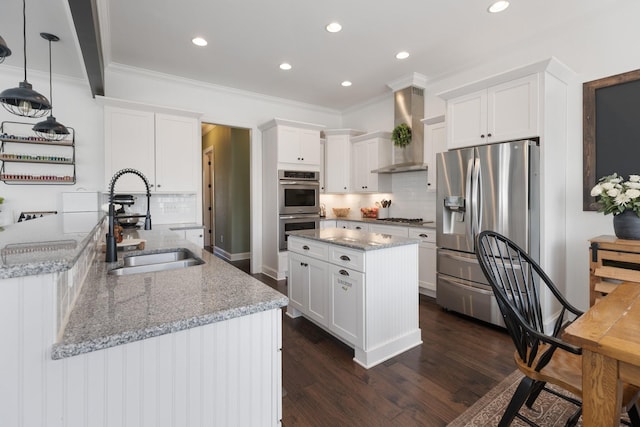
609,334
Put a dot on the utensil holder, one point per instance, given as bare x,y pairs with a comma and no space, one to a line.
383,213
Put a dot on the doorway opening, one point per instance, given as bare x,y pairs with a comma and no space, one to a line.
226,191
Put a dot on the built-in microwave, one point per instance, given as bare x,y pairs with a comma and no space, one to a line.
298,192
294,223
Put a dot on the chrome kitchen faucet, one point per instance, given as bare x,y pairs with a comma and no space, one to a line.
112,250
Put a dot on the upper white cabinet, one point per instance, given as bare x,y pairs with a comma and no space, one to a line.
501,112
164,147
435,141
369,152
338,160
296,145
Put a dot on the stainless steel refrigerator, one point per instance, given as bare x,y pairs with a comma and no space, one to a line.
489,187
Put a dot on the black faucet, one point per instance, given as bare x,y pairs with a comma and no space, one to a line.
112,250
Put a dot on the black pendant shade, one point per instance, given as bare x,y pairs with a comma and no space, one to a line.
4,50
23,100
50,129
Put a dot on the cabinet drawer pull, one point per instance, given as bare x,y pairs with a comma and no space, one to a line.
423,235
345,258
344,272
305,247
358,227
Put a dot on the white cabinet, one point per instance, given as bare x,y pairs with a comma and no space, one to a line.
426,259
308,291
502,112
369,152
195,236
435,141
392,230
347,304
299,146
327,223
371,296
338,160
177,156
165,148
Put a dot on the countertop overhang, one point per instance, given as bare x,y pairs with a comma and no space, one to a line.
354,239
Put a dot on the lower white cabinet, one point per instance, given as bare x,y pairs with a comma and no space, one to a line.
368,299
308,290
427,259
193,235
347,291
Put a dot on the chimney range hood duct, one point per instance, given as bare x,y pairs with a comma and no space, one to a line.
409,109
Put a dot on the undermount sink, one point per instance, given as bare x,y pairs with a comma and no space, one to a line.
162,261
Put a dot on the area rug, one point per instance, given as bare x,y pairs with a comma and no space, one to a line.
548,410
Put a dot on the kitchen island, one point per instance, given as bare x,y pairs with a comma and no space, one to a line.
361,287
193,346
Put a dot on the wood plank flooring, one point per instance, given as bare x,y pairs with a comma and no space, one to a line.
459,361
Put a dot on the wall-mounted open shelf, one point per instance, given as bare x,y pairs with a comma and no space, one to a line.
19,148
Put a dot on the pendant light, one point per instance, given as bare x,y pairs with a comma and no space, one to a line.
23,100
50,129
4,50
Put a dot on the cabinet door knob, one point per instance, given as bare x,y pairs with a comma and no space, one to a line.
482,136
305,247
344,272
489,135
345,258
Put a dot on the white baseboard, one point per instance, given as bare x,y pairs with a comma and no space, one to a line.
229,256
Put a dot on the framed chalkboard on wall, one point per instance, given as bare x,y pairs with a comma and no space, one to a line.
611,130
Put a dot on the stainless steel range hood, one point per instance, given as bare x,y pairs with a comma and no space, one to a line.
409,109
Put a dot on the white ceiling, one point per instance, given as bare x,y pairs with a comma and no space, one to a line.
248,39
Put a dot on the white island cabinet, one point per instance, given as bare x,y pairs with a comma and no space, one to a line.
361,287
197,346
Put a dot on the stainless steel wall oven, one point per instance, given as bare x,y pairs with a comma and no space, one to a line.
298,202
298,192
296,222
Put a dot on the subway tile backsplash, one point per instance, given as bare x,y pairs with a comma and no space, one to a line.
410,198
166,208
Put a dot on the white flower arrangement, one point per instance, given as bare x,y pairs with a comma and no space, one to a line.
616,195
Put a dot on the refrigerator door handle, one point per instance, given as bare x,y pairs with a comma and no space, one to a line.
468,197
476,212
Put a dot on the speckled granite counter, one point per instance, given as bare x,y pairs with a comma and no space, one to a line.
113,310
354,239
45,245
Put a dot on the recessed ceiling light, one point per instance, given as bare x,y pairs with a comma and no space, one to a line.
498,6
402,55
346,83
199,41
285,66
333,27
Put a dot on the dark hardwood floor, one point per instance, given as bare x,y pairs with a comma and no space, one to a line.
459,361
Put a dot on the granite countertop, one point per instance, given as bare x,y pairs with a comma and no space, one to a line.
113,310
354,239
45,245
423,224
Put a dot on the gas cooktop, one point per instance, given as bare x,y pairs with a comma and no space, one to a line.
402,220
